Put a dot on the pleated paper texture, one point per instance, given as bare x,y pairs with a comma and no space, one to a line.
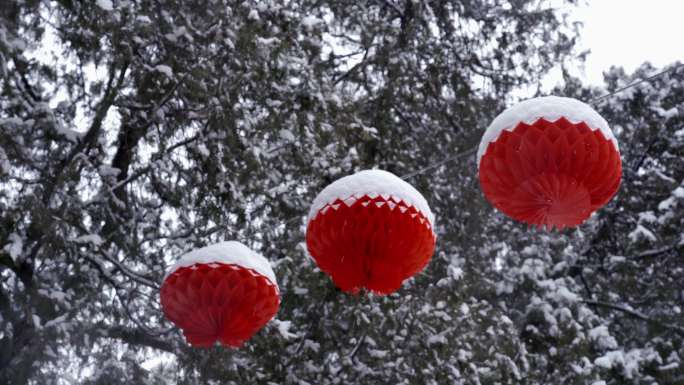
550,174
375,243
220,302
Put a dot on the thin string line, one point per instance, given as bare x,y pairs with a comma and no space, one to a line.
648,79
474,148
440,163
593,101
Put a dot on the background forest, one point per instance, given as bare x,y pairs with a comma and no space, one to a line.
133,131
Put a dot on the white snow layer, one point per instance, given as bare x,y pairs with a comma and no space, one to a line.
166,70
310,22
550,108
105,4
371,183
230,253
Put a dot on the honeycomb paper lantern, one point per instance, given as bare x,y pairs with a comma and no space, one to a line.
549,162
370,230
223,292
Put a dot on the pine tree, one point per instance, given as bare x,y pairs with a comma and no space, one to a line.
133,131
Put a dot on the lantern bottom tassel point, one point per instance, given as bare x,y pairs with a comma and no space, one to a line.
551,201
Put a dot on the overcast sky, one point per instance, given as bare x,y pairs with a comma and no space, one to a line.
629,32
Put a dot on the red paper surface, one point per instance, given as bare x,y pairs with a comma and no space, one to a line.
374,244
225,303
550,173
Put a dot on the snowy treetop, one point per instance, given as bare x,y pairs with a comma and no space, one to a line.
550,108
371,183
230,253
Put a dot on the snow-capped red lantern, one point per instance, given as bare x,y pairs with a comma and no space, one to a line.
370,230
223,292
549,161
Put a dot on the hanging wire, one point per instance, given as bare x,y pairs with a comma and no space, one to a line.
592,101
473,149
465,154
644,80
440,163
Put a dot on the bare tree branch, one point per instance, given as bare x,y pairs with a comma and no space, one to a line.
131,336
636,314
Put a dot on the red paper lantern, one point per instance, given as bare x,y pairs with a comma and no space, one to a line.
549,161
370,230
223,292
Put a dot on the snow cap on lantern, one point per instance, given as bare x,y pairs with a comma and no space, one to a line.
224,292
370,230
549,161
